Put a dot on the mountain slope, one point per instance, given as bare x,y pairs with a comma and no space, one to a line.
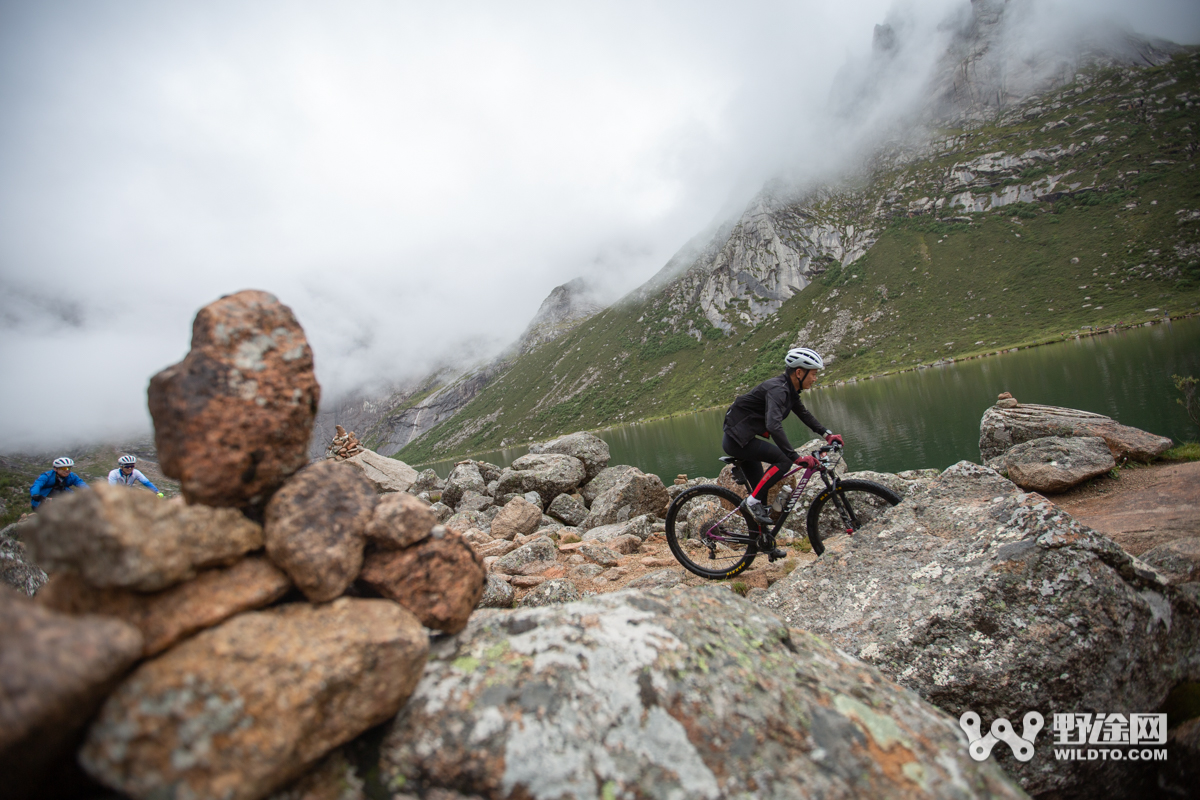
391,420
1070,211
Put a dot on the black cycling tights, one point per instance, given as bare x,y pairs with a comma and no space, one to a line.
752,457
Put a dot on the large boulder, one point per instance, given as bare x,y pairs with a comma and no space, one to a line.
242,709
552,592
1009,423
55,670
540,549
465,520
603,481
16,567
233,419
568,508
427,481
548,474
1055,464
116,538
497,593
315,528
983,598
1178,561
488,471
463,478
519,516
168,616
385,474
587,447
641,527
439,580
695,694
632,495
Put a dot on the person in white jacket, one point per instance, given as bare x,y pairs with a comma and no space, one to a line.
126,474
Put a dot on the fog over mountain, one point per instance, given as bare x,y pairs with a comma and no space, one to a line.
413,179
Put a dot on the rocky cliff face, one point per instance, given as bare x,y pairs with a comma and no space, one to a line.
567,306
781,243
1005,51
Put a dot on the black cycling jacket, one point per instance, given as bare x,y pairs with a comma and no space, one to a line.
761,411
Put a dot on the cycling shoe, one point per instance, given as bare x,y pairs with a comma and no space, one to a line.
762,515
776,554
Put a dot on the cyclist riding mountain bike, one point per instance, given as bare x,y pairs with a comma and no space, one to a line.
126,474
54,482
760,412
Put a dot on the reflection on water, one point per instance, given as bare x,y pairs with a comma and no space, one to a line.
930,418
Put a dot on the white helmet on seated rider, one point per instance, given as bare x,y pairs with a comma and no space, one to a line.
127,460
803,358
59,463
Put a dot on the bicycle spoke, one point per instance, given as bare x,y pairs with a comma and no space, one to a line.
708,532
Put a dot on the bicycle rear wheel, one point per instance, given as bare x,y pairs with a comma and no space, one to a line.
853,505
709,532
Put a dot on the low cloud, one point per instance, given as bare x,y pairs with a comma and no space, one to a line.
412,179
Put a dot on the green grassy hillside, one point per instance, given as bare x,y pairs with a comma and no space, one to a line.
1116,243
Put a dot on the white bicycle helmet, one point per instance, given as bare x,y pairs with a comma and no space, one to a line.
62,462
803,358
130,460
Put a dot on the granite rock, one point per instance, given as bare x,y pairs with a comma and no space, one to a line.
587,447
627,694
383,473
518,516
233,419
1055,464
166,617
245,708
55,670
315,528
440,580
116,538
400,520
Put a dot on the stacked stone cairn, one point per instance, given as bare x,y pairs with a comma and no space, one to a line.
344,445
224,646
244,645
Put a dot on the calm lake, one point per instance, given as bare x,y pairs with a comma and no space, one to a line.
930,418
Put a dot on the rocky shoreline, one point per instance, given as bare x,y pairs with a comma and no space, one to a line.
353,628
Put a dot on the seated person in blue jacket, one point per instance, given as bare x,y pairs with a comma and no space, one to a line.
126,474
54,482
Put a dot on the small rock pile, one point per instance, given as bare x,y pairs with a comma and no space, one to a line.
344,445
1051,449
222,648
562,499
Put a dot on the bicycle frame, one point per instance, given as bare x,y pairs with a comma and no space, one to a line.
792,499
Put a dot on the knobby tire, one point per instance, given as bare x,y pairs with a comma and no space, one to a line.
864,500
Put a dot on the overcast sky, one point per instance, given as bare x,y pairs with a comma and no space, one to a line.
408,177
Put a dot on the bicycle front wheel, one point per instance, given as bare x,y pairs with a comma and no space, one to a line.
845,509
709,532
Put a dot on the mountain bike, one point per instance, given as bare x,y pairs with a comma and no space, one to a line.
713,534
